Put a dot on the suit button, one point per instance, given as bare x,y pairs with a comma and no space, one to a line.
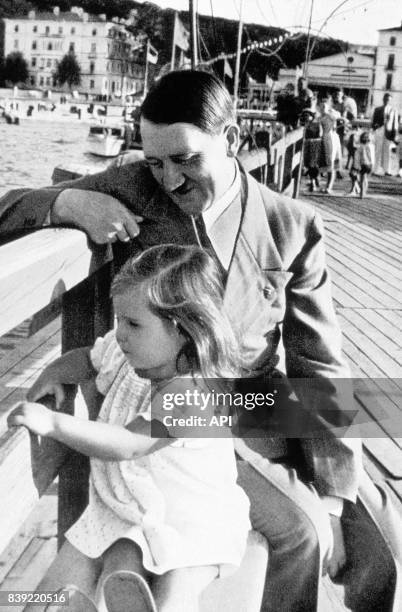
268,292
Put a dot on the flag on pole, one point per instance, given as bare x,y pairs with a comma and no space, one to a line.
181,36
227,69
152,54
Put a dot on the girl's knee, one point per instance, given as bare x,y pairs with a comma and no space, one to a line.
123,554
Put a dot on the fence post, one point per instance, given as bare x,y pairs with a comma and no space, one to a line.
86,314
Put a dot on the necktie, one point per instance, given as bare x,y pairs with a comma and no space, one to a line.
204,242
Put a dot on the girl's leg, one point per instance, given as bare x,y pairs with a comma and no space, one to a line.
179,590
363,184
122,555
71,567
330,181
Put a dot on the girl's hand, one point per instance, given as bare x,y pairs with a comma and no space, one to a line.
35,417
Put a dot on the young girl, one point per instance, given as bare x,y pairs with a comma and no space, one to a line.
362,165
167,509
365,161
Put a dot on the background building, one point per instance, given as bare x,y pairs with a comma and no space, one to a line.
388,70
353,72
109,55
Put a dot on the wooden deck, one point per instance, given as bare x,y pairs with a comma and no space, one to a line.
364,254
364,250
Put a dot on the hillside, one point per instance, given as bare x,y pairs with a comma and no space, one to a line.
216,35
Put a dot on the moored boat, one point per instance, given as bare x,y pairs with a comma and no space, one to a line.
106,140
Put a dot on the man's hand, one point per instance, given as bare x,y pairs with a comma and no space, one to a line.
338,557
45,385
102,217
35,417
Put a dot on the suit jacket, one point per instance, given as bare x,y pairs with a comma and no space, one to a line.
277,285
379,119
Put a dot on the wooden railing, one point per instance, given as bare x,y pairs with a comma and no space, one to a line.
50,267
56,269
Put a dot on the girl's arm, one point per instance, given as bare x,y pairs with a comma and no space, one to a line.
71,368
95,439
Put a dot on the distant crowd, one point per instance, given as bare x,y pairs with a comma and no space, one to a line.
333,133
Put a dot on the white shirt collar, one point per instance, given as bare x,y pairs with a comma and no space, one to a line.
214,212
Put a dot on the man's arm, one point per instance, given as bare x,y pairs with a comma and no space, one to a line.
72,368
124,192
312,342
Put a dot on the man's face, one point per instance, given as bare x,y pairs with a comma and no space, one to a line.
387,100
191,166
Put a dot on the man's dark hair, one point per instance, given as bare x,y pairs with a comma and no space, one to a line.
189,96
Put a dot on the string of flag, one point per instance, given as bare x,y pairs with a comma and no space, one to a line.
251,47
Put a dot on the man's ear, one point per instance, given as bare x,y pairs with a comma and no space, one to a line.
232,134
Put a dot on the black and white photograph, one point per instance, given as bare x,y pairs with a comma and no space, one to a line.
201,306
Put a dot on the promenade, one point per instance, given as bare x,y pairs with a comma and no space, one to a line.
364,249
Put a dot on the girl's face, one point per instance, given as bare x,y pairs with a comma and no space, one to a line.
151,344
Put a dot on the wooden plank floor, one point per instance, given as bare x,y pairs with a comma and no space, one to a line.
364,253
364,250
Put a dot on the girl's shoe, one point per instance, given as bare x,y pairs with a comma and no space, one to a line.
126,591
78,601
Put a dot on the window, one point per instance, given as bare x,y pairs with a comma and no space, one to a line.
34,44
94,32
71,48
33,62
92,67
50,47
392,41
47,30
35,29
388,82
16,28
41,80
72,30
32,79
60,30
47,80
48,63
91,84
93,47
16,44
391,61
113,86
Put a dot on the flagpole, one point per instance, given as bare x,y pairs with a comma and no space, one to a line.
238,54
146,68
193,35
173,42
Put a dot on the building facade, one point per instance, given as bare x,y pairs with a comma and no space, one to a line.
388,69
109,55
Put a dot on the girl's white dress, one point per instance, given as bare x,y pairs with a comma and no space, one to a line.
180,504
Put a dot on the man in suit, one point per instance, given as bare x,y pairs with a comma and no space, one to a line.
270,248
385,124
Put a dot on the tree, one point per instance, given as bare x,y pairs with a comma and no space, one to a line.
15,69
68,71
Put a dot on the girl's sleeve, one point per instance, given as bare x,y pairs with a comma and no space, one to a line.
107,358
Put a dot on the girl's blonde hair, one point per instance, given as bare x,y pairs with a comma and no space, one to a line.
183,285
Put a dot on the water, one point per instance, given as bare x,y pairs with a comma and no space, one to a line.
30,151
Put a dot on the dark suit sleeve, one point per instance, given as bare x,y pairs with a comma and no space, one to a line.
312,342
378,118
23,210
